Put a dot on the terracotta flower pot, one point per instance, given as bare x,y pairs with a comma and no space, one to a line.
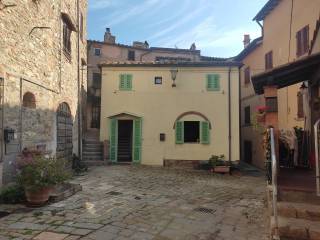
222,169
39,197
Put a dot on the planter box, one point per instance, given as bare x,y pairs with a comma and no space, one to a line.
221,169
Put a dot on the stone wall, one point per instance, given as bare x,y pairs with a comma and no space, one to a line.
33,60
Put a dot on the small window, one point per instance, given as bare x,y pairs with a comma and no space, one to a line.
247,115
66,38
158,80
29,100
192,132
269,60
213,82
131,55
125,83
247,76
300,113
81,26
272,104
302,41
97,51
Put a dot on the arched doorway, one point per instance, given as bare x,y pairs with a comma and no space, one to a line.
64,132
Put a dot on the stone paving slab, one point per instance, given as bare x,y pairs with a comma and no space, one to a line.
138,202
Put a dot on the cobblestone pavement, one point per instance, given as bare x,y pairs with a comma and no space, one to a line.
127,202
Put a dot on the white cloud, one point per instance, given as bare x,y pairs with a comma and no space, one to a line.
124,14
211,39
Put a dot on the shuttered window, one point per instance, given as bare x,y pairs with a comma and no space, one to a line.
302,38
179,132
205,133
192,132
269,60
247,76
213,82
125,83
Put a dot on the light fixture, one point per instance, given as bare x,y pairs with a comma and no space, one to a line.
174,72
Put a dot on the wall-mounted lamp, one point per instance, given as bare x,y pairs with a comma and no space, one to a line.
174,73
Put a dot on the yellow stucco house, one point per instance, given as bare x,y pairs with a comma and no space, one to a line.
153,113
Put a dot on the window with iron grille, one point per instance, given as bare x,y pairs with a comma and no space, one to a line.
271,104
302,41
247,115
268,60
247,76
131,55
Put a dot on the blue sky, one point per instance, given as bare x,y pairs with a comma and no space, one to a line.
216,26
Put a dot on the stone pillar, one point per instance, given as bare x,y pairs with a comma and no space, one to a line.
271,115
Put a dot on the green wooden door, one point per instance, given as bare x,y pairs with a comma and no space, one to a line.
113,140
137,140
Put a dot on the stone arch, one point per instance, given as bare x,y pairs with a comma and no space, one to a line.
29,100
192,113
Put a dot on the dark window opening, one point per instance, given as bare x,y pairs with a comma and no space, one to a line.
96,80
302,41
247,76
272,104
158,80
131,55
81,26
97,51
269,60
248,151
67,38
300,112
29,100
95,115
247,115
191,132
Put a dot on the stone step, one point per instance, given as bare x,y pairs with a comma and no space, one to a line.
298,197
305,211
99,153
298,229
90,158
90,150
94,163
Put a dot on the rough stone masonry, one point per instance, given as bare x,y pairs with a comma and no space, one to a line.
33,60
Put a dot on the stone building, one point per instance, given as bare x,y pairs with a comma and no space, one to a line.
42,71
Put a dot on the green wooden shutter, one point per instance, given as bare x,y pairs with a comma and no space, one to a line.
213,82
113,140
122,82
179,132
129,82
205,133
137,140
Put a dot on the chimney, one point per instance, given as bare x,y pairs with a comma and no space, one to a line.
108,38
246,40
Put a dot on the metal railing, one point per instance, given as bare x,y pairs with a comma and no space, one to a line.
274,167
316,149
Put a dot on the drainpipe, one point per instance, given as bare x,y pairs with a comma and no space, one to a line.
240,135
20,115
229,113
79,87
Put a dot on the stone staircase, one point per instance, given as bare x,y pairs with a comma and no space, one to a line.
92,154
298,216
124,150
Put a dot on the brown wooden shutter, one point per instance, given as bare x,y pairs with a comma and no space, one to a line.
247,75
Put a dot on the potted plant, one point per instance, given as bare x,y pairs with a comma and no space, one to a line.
219,164
261,114
38,174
